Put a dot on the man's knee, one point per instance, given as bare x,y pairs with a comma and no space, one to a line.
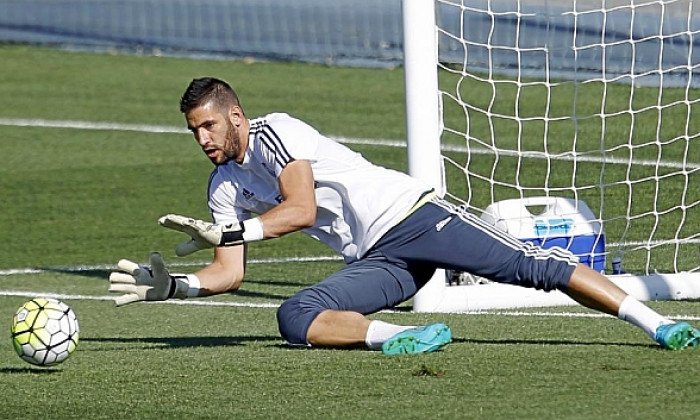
296,314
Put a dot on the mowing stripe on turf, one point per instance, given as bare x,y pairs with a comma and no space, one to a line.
206,302
147,128
83,268
62,296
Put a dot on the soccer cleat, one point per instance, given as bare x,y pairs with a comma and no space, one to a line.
418,340
677,336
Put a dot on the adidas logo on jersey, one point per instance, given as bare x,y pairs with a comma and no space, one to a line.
248,194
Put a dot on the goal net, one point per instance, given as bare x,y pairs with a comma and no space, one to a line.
590,103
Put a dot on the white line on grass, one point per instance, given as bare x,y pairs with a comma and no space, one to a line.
83,268
62,296
213,303
78,269
147,128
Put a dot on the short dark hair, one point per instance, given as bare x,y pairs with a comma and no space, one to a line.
206,89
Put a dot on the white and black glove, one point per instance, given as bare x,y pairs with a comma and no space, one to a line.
206,235
148,283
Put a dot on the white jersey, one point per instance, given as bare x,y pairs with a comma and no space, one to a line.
357,201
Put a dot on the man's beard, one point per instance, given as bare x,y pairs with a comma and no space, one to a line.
231,146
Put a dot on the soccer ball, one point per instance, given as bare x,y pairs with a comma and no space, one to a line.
44,331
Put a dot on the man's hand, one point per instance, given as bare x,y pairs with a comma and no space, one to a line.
204,234
138,282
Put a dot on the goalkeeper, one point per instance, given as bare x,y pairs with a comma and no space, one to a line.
275,174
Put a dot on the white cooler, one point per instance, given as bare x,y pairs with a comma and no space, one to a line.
550,222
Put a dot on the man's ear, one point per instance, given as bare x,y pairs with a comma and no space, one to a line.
235,113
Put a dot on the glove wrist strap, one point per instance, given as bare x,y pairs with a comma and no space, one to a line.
183,286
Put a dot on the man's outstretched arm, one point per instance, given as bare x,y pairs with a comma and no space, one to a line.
154,282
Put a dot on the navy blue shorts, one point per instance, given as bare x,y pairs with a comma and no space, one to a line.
436,235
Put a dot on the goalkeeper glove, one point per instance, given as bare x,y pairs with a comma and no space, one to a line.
206,235
139,282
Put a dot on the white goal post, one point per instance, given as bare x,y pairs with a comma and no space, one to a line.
590,102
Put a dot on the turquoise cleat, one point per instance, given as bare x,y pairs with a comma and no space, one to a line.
677,336
418,340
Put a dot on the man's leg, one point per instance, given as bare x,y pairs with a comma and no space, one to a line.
467,243
333,328
332,313
346,329
593,290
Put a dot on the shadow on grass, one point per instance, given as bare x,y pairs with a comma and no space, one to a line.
179,342
300,347
277,283
278,343
505,341
547,342
32,370
98,273
191,342
252,294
